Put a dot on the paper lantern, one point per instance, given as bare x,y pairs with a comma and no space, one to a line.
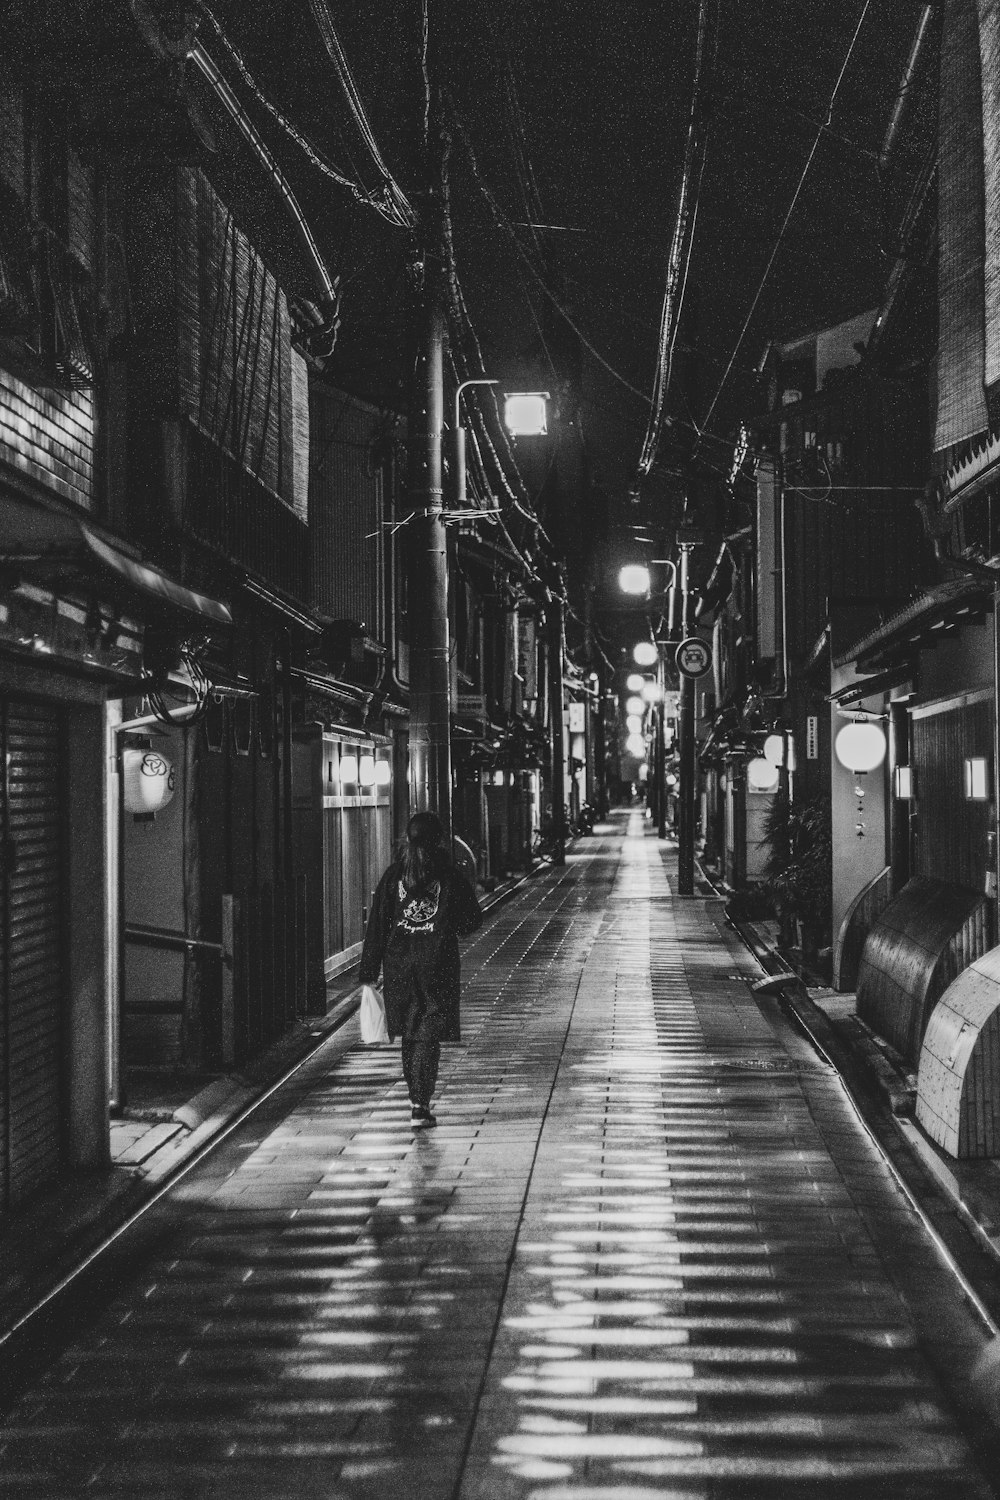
774,749
645,654
383,773
635,705
148,781
651,692
348,770
860,746
634,723
366,770
635,682
635,745
762,776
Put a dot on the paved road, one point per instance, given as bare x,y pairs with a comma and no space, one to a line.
649,1252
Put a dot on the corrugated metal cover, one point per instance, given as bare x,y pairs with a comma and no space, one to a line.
32,973
958,1086
923,940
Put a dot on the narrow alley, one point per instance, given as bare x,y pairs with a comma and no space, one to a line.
649,1251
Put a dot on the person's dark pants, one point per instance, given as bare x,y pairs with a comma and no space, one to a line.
420,1067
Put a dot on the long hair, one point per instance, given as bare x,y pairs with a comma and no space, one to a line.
424,853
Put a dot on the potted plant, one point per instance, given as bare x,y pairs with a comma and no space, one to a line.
799,869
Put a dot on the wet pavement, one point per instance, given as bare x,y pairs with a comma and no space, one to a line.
648,1252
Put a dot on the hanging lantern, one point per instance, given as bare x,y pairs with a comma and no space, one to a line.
635,705
774,749
636,745
383,773
762,776
645,654
651,692
366,770
348,770
860,746
635,682
148,781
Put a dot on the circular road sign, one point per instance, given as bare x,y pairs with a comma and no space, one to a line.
693,657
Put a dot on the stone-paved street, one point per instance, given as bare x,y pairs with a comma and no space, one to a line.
648,1252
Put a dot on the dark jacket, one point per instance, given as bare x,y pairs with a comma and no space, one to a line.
412,936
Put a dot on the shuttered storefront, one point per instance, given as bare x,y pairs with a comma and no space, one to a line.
31,948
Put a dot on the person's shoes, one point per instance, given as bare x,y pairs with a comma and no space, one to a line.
421,1117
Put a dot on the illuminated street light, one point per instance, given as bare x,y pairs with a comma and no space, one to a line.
635,682
525,413
634,579
634,723
634,706
635,745
651,692
645,654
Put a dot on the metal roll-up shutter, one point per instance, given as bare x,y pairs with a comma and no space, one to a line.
33,945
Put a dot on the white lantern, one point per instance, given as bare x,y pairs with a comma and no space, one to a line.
636,745
348,770
383,773
635,706
644,654
651,692
762,776
366,770
635,682
148,781
634,724
774,749
860,746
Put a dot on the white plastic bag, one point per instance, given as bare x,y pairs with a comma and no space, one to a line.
372,1015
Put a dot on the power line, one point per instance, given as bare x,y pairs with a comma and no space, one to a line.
824,126
679,261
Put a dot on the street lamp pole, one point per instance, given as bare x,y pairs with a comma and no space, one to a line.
427,548
687,778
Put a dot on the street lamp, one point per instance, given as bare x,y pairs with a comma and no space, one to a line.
525,413
634,579
645,654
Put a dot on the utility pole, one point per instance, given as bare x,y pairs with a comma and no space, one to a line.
427,548
686,803
554,619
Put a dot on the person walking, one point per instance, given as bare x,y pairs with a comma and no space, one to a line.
422,906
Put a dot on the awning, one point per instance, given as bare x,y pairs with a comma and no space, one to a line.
60,547
900,637
882,682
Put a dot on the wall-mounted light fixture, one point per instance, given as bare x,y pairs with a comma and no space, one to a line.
860,747
905,785
977,779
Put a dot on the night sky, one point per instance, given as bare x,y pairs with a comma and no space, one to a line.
577,112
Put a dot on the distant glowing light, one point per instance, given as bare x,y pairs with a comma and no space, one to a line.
651,692
645,654
635,706
635,745
634,723
635,682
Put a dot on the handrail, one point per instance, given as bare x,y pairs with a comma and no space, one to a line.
163,937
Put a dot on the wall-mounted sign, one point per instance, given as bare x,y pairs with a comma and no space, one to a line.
812,737
693,657
577,718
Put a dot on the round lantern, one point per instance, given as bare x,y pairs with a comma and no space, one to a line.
635,705
148,781
774,749
645,654
651,692
860,746
635,682
636,745
762,776
366,770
